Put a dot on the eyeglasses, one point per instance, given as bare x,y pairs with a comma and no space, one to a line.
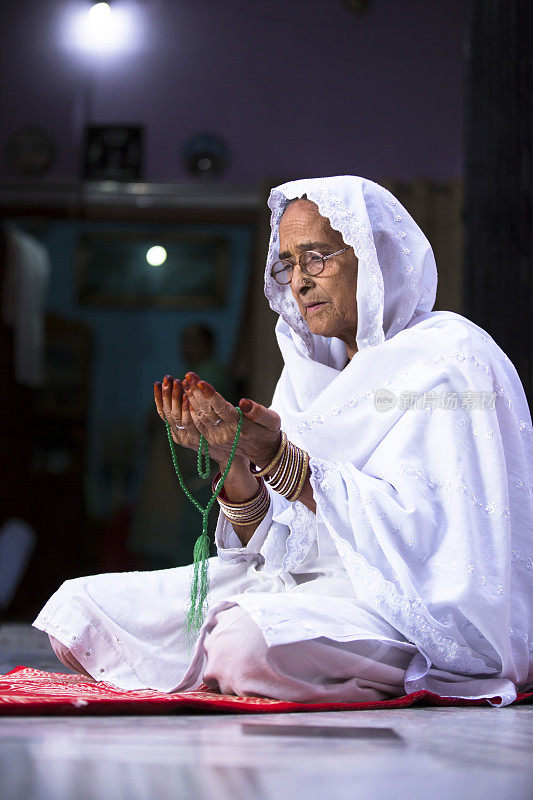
310,263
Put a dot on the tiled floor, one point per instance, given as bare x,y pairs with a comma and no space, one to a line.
409,753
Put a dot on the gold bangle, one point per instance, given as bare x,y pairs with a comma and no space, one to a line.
222,497
286,471
279,453
250,520
301,482
250,511
289,477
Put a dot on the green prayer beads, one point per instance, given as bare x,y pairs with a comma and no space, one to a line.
203,455
200,579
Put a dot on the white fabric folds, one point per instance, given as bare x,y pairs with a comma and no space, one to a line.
429,507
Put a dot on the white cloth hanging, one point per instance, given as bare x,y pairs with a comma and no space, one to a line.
423,530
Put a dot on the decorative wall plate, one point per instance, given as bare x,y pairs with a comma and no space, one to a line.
30,151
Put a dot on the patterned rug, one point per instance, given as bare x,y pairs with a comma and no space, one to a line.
33,692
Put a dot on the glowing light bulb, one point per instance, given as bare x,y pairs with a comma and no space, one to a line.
156,256
99,13
102,29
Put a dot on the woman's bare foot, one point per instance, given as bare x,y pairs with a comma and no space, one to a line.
66,658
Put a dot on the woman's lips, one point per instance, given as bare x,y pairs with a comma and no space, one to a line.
310,309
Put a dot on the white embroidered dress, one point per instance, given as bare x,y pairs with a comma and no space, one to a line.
421,452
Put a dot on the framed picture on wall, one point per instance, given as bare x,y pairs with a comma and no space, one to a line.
168,270
113,153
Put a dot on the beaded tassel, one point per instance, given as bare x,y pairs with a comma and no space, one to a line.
200,579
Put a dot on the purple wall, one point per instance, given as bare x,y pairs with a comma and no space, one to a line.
297,87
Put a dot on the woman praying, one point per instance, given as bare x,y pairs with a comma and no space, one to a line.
375,530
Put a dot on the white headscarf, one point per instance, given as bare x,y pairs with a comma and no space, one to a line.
397,275
431,509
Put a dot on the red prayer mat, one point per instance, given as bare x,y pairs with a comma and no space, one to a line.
32,692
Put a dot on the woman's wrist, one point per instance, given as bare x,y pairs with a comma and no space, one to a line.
286,472
240,485
268,460
244,500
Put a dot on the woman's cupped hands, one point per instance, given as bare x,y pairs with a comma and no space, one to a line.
192,407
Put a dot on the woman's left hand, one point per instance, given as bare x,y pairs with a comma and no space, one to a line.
217,420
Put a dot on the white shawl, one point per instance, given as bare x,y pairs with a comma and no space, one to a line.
429,508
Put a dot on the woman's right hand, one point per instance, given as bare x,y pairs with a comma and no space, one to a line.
173,407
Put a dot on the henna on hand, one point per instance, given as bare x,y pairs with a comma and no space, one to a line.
217,420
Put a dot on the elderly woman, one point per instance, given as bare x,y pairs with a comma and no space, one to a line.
376,523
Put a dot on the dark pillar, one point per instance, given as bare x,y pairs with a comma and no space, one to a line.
499,177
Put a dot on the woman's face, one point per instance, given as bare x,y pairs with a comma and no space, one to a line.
303,228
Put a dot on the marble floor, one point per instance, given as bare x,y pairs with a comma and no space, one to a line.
409,753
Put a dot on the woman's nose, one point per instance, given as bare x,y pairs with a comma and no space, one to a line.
299,279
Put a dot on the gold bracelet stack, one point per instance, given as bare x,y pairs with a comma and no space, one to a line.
248,513
287,471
